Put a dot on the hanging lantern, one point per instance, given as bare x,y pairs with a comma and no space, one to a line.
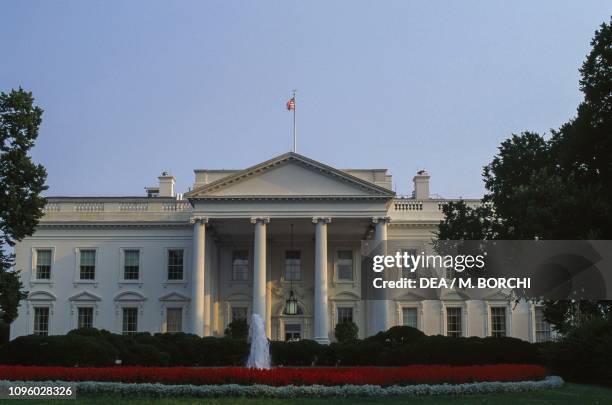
291,305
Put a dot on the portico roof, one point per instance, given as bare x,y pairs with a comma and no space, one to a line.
290,176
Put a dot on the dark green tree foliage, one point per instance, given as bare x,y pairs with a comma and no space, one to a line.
238,329
21,183
346,331
557,188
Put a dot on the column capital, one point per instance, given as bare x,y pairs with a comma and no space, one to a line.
263,220
198,219
384,220
325,220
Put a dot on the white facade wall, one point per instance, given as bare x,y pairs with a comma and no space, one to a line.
293,190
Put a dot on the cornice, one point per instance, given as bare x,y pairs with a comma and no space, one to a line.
110,225
291,198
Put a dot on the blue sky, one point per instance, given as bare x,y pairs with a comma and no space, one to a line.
133,88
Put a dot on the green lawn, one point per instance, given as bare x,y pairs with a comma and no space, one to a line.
569,394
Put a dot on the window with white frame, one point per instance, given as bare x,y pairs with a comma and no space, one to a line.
407,269
87,264
498,321
409,317
130,321
41,321
174,320
239,313
43,264
542,327
293,332
84,317
240,265
453,322
293,265
175,264
345,314
344,265
131,264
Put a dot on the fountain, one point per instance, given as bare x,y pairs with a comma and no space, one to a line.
259,357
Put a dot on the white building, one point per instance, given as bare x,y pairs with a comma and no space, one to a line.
237,244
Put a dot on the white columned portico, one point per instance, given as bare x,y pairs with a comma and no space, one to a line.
380,307
321,311
197,275
259,266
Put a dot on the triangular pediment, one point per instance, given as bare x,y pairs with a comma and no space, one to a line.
84,296
290,175
497,296
174,296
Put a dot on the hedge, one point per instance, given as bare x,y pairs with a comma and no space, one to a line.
291,391
398,346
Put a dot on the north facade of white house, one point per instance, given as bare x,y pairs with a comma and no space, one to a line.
239,243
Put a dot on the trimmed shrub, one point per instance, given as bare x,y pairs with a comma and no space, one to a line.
237,329
346,331
398,346
584,354
299,353
397,336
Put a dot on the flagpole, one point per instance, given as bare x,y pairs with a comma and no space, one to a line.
294,125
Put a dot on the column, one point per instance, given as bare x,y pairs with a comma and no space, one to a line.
259,267
197,275
321,311
380,307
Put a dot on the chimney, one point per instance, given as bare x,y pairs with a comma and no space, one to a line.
166,185
421,185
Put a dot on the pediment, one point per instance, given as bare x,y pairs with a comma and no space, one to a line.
130,296
454,295
174,296
411,296
497,296
41,296
84,296
290,175
345,296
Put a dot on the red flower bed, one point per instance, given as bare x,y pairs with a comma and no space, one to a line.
425,374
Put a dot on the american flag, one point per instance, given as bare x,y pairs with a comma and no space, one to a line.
291,104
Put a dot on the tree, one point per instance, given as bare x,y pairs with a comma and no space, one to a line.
346,331
238,329
536,186
21,183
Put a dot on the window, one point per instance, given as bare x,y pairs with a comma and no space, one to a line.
293,265
87,264
43,264
41,321
131,264
175,264
453,322
542,327
85,317
449,273
409,316
293,332
345,315
130,321
498,321
174,320
239,313
240,265
344,265
407,270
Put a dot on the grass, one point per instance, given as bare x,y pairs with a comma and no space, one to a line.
569,394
